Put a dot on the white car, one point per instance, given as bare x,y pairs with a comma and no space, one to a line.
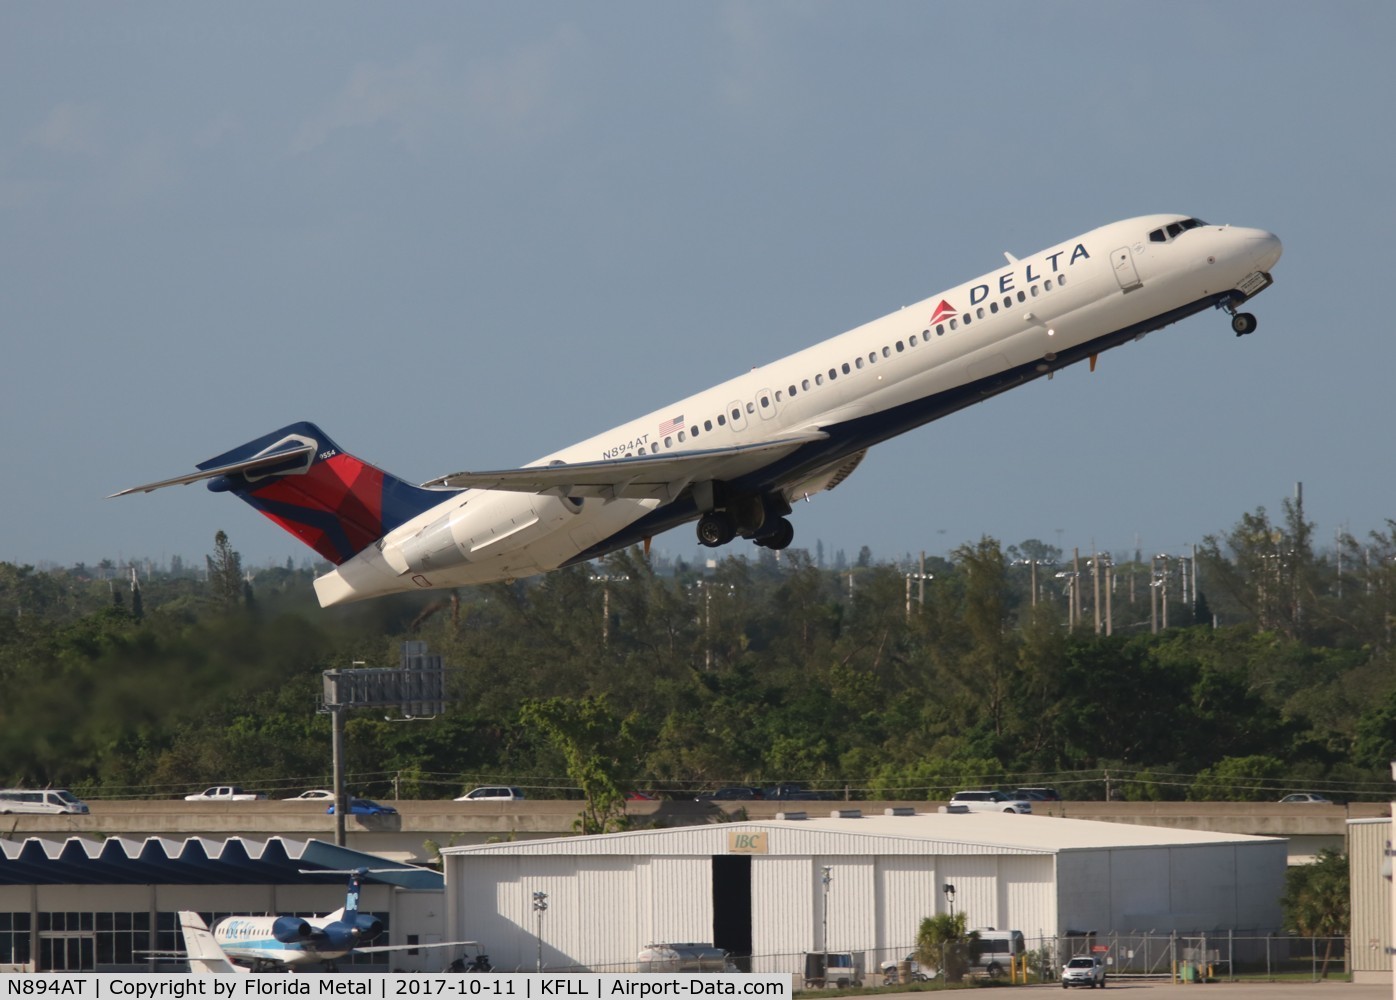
987,800
493,793
314,795
1083,970
224,793
1310,797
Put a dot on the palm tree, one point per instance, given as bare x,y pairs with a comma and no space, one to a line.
1315,900
943,944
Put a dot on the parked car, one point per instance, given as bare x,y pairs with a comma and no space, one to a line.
493,793
788,790
638,796
731,793
918,975
1083,970
314,795
224,793
365,807
987,800
1311,797
1035,793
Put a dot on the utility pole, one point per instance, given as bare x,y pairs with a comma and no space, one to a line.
826,878
1095,587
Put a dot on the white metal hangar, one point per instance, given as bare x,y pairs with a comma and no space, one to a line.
774,890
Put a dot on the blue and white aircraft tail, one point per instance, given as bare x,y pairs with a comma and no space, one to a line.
735,458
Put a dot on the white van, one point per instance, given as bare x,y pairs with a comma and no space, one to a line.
48,800
995,951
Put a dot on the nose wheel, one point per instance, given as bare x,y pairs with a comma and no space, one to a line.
1243,323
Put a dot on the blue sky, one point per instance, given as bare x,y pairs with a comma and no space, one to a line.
461,235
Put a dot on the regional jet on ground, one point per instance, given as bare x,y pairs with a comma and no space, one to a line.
736,457
289,942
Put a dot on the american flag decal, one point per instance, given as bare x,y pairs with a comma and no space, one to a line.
671,425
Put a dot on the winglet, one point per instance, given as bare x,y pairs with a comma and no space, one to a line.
1011,259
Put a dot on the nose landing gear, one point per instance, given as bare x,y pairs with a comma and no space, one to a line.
1243,323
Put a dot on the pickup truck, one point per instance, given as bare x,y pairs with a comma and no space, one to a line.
224,793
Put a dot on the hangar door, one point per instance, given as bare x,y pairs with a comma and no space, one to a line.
732,907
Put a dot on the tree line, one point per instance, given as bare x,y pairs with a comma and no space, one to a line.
907,681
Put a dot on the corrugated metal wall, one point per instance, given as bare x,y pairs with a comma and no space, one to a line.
1371,897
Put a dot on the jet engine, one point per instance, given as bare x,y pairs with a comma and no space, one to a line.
291,930
476,529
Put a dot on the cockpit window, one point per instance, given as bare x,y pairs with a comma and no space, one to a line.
1163,235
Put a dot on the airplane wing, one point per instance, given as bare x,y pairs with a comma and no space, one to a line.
412,947
661,477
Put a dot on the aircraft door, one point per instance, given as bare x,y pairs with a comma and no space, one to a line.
765,403
1122,260
736,415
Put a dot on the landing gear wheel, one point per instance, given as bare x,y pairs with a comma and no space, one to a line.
781,537
1243,323
715,529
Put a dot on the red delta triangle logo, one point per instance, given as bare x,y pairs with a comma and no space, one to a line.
943,312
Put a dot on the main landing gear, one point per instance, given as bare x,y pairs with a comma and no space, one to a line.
715,528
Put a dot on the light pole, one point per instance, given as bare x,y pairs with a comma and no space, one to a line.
540,906
605,579
949,891
827,877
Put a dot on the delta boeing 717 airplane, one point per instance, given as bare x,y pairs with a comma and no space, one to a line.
736,458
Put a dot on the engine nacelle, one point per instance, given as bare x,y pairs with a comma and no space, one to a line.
483,524
290,930
367,927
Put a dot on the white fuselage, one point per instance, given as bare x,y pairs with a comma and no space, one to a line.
250,939
1024,319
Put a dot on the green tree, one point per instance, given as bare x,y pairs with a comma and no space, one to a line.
224,572
1239,779
943,943
598,749
1315,900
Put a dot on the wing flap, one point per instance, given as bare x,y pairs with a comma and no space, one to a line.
656,477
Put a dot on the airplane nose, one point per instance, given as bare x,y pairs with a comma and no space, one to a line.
1265,250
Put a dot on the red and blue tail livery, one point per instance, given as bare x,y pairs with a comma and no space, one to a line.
337,504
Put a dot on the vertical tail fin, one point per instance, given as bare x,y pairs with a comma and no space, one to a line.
332,501
351,896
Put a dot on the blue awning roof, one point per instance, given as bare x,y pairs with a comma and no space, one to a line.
196,861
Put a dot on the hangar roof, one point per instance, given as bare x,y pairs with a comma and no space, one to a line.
196,861
922,833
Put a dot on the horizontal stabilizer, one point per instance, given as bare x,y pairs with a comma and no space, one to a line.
295,457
